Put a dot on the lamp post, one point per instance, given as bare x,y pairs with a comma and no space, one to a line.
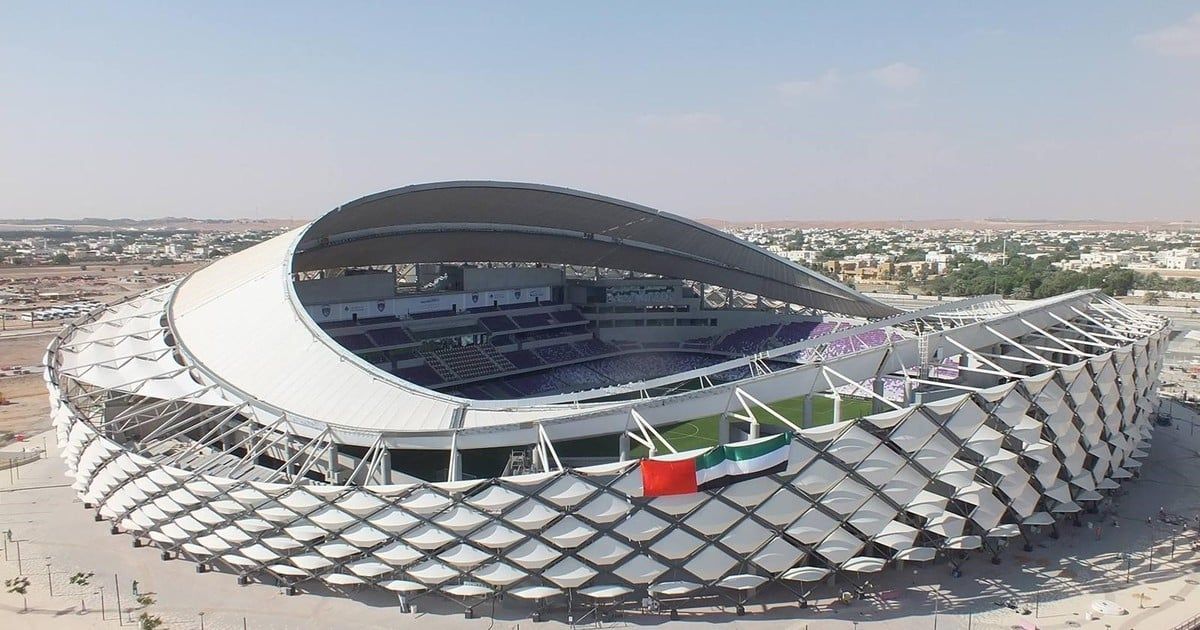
935,607
1151,546
49,580
101,603
201,620
117,590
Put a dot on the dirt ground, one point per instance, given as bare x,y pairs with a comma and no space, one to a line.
25,408
23,344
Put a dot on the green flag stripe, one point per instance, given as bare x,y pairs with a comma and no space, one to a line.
752,451
719,454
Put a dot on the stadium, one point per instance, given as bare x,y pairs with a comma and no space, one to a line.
471,389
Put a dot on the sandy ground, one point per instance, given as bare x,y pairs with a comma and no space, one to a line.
1057,581
24,343
26,408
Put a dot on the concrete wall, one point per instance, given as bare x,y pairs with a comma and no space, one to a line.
484,279
370,286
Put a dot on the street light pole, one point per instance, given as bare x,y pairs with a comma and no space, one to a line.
1151,547
49,580
935,609
117,590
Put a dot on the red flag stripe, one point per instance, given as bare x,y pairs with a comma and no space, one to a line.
662,478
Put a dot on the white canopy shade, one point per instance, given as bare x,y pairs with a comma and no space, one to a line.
673,589
605,591
534,593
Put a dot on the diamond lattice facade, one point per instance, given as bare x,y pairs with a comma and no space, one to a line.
1052,410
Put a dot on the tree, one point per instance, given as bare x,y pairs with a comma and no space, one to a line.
61,259
82,580
146,621
20,586
1118,281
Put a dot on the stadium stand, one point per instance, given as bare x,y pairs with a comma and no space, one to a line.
466,362
497,323
523,359
593,347
533,320
355,342
558,353
795,332
745,341
421,375
394,336
572,316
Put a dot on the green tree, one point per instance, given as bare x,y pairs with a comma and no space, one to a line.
61,259
20,586
82,580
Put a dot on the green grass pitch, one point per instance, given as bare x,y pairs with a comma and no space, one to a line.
702,432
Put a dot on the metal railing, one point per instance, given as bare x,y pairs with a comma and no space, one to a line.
1191,624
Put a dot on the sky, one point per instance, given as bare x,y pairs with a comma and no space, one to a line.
747,111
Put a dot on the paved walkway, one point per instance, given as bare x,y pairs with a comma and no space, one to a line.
1059,578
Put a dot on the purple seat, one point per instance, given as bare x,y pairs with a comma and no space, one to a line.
497,323
532,321
419,374
568,317
393,336
558,353
593,347
523,359
746,340
355,342
795,332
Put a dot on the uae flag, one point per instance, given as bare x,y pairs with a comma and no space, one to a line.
716,467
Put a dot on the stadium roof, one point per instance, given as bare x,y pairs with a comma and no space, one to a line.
513,222
240,322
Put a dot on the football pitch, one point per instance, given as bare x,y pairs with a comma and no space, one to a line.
702,432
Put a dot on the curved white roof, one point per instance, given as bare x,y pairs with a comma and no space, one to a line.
238,319
240,323
242,335
515,222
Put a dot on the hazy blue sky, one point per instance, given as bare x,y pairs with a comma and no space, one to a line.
730,110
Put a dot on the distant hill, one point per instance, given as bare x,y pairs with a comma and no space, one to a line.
91,224
965,224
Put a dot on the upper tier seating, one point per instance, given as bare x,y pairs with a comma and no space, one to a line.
557,353
568,317
434,314
746,340
394,336
523,359
593,347
497,323
532,320
355,342
795,332
466,362
420,374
